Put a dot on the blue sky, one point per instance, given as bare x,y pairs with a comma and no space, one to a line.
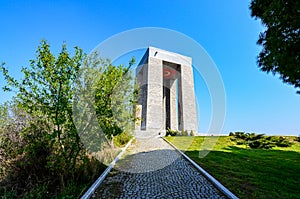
255,101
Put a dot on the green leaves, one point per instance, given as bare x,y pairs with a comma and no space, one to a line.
115,98
259,141
281,39
56,93
11,82
47,91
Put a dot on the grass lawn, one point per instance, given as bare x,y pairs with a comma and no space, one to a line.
248,173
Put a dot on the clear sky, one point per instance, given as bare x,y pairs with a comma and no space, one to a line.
255,101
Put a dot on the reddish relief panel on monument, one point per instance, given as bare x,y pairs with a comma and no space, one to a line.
169,73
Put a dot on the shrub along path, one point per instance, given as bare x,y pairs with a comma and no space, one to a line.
153,169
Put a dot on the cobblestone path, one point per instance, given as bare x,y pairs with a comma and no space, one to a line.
153,169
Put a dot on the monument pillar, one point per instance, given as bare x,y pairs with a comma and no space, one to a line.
173,104
155,95
189,112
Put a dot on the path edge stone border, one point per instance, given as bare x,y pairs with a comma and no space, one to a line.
215,182
97,183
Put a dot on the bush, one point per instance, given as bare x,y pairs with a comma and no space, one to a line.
171,132
7,194
240,135
122,139
281,141
38,192
240,142
192,133
28,159
259,141
255,144
185,133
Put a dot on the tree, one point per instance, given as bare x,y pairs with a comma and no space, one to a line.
281,39
51,124
114,99
105,97
46,91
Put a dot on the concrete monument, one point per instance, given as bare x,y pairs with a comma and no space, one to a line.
167,97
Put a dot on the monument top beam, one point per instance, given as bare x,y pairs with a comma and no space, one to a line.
164,55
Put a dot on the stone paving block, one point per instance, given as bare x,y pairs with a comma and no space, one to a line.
153,169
